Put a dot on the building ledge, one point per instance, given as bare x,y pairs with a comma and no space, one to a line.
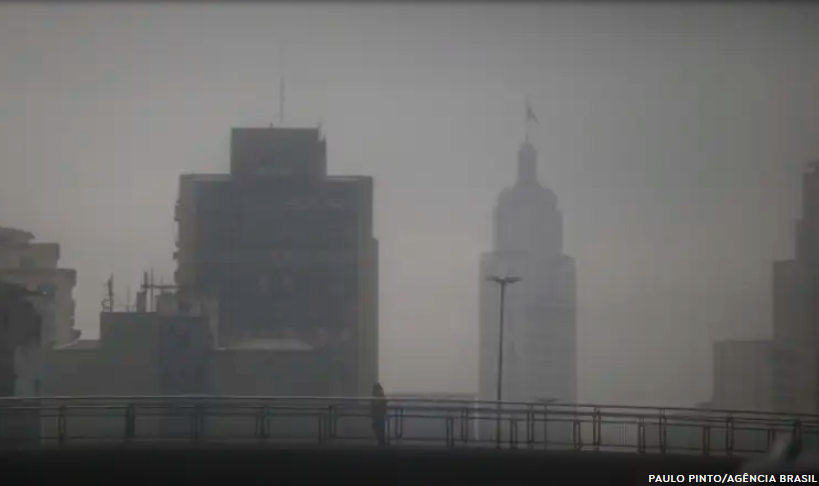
80,345
266,345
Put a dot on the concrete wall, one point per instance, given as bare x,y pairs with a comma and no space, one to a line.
29,256
138,356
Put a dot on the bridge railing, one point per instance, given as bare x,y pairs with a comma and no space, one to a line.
411,421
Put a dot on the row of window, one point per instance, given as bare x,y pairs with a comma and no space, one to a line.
279,256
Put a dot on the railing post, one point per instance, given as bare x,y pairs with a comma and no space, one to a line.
261,424
61,425
465,422
322,425
450,432
332,423
196,423
388,427
729,436
706,440
797,432
641,435
596,429
663,432
530,427
577,433
130,422
545,425
399,424
513,432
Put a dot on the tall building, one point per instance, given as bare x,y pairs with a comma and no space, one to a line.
35,267
540,336
796,311
284,249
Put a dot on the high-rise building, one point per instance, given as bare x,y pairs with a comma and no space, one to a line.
285,250
540,336
796,311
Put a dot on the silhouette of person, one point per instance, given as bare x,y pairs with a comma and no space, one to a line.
378,413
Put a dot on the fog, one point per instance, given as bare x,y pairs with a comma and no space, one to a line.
673,136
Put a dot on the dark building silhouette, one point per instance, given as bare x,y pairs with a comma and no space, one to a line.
796,311
285,250
20,326
20,332
162,353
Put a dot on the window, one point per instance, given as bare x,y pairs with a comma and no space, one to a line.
47,289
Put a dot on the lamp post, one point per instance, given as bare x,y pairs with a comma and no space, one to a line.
502,282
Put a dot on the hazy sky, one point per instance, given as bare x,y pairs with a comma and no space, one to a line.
673,136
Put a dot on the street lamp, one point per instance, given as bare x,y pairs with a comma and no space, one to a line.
502,282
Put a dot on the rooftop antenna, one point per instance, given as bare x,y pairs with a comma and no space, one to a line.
281,85
151,298
108,300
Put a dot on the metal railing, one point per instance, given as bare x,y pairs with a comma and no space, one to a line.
411,421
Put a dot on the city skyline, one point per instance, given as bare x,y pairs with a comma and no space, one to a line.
673,213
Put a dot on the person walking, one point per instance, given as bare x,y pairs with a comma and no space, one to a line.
378,413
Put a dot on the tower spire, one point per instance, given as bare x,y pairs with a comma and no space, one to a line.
281,85
530,117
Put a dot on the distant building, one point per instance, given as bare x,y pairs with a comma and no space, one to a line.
796,312
34,266
743,376
540,353
20,326
153,354
285,250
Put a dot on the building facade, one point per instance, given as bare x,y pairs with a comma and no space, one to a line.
35,267
796,311
286,250
540,335
153,354
20,332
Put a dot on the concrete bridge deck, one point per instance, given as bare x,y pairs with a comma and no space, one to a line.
391,465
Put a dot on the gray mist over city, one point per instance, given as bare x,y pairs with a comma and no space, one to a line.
675,139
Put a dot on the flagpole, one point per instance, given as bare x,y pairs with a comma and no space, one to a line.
526,126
